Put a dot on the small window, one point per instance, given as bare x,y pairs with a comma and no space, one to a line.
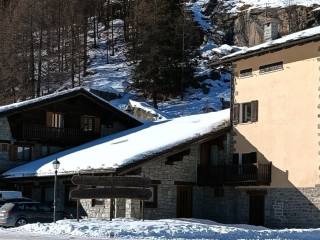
55,120
236,113
178,157
152,202
97,202
246,112
249,112
249,158
90,124
271,67
4,147
24,153
246,73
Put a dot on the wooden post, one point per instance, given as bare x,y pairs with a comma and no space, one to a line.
142,210
78,203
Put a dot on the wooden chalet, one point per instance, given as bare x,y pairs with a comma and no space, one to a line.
39,127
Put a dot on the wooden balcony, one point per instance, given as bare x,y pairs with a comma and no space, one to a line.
71,136
235,175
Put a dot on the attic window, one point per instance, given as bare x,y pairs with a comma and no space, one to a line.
278,66
178,157
246,73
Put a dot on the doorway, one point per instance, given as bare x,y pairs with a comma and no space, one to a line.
184,201
256,208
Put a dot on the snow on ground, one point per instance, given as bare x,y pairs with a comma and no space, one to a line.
107,153
289,38
117,74
197,7
235,5
164,229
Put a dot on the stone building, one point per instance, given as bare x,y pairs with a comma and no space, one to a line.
173,154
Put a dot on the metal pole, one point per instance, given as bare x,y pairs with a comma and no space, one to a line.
55,196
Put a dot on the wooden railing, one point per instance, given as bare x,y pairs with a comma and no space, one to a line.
235,175
67,135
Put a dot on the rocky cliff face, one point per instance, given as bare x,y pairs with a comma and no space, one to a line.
246,28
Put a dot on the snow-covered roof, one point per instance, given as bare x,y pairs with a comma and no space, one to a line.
12,108
128,147
292,38
235,6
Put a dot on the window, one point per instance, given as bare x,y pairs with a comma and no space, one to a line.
24,153
67,200
4,147
236,113
97,202
249,158
152,202
90,124
47,194
271,67
55,120
245,112
178,157
246,73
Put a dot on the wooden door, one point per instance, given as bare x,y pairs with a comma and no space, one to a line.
184,201
256,208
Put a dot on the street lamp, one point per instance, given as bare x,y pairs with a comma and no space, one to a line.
56,165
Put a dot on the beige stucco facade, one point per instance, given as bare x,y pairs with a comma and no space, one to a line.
287,131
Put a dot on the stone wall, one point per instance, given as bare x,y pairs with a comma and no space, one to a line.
224,205
292,207
284,207
167,176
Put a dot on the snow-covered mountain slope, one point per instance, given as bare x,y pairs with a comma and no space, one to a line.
236,5
114,73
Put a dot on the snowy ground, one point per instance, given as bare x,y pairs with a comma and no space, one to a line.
160,229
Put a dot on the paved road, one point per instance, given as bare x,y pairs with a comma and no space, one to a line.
7,235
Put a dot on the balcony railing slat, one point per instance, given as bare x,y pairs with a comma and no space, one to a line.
235,174
57,134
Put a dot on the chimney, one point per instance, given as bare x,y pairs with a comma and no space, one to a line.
271,32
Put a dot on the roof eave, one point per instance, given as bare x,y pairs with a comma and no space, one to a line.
228,61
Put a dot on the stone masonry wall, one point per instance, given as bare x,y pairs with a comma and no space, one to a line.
291,207
184,171
284,207
230,207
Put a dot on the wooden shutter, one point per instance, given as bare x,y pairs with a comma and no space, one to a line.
49,119
254,111
236,113
82,122
204,154
97,125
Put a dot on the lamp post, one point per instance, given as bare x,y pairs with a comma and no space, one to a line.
56,165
